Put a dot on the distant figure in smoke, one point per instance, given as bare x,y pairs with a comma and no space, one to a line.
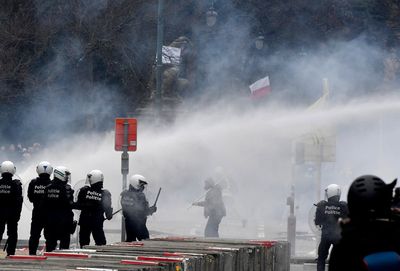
214,207
94,202
178,73
58,203
327,216
230,195
10,204
36,195
371,235
135,209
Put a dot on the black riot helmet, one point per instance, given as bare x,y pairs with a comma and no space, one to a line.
369,197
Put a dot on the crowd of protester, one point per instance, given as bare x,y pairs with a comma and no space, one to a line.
19,152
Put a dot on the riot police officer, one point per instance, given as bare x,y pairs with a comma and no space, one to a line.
10,204
35,195
58,203
327,215
135,209
371,235
94,202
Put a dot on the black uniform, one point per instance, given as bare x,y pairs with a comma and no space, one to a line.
214,210
94,202
371,228
135,209
58,202
327,216
10,209
362,238
35,195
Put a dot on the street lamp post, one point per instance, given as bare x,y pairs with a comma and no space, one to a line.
259,42
159,66
211,16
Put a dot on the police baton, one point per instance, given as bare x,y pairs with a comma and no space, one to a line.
202,196
5,245
158,194
116,212
196,201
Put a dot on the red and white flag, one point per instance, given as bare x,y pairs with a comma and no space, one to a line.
260,88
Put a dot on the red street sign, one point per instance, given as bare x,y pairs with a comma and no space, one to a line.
119,133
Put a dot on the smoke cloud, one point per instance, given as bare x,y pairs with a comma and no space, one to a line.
219,126
254,148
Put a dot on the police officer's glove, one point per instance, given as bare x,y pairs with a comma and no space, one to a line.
152,209
109,214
